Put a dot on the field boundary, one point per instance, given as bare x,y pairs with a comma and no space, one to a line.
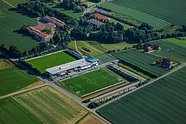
8,4
44,55
176,69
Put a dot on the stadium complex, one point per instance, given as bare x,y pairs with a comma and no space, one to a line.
77,66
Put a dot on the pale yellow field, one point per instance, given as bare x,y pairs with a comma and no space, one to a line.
50,106
91,119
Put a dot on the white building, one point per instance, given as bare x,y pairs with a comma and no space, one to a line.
74,66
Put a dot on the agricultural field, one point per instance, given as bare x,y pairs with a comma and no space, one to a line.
15,2
12,78
91,119
126,26
106,58
49,61
118,6
172,49
141,60
181,41
11,112
85,48
43,105
172,11
92,81
11,21
162,102
50,106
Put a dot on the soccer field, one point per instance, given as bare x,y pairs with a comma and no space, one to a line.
49,61
92,81
163,102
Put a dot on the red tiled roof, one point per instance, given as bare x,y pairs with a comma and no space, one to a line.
100,16
55,20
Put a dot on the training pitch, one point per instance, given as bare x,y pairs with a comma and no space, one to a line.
49,61
92,81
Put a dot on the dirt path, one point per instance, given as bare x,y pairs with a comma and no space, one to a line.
9,4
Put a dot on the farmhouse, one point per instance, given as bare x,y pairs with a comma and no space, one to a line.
96,22
100,17
75,66
42,32
167,63
53,20
150,47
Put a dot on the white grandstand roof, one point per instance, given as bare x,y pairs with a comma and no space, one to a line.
68,66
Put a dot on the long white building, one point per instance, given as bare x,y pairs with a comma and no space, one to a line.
74,66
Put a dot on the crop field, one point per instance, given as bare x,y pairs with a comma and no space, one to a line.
11,21
85,48
92,81
11,112
15,2
91,119
49,61
50,106
118,6
13,79
178,41
162,102
141,60
171,50
172,11
106,58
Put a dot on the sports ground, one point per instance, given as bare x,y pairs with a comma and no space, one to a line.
162,102
49,61
43,105
92,81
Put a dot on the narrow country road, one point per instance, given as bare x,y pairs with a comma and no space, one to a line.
22,91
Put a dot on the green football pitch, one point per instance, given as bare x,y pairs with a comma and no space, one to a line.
92,81
49,61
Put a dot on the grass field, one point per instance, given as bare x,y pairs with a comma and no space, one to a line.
49,61
13,79
178,41
10,22
172,11
4,63
171,49
92,81
50,106
70,13
118,6
163,102
141,59
15,2
11,112
85,48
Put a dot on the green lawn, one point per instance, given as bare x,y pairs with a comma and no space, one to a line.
172,49
13,79
11,112
141,60
92,81
49,61
163,102
118,6
10,22
85,48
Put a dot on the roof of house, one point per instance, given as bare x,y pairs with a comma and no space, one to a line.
55,20
100,16
37,32
96,22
